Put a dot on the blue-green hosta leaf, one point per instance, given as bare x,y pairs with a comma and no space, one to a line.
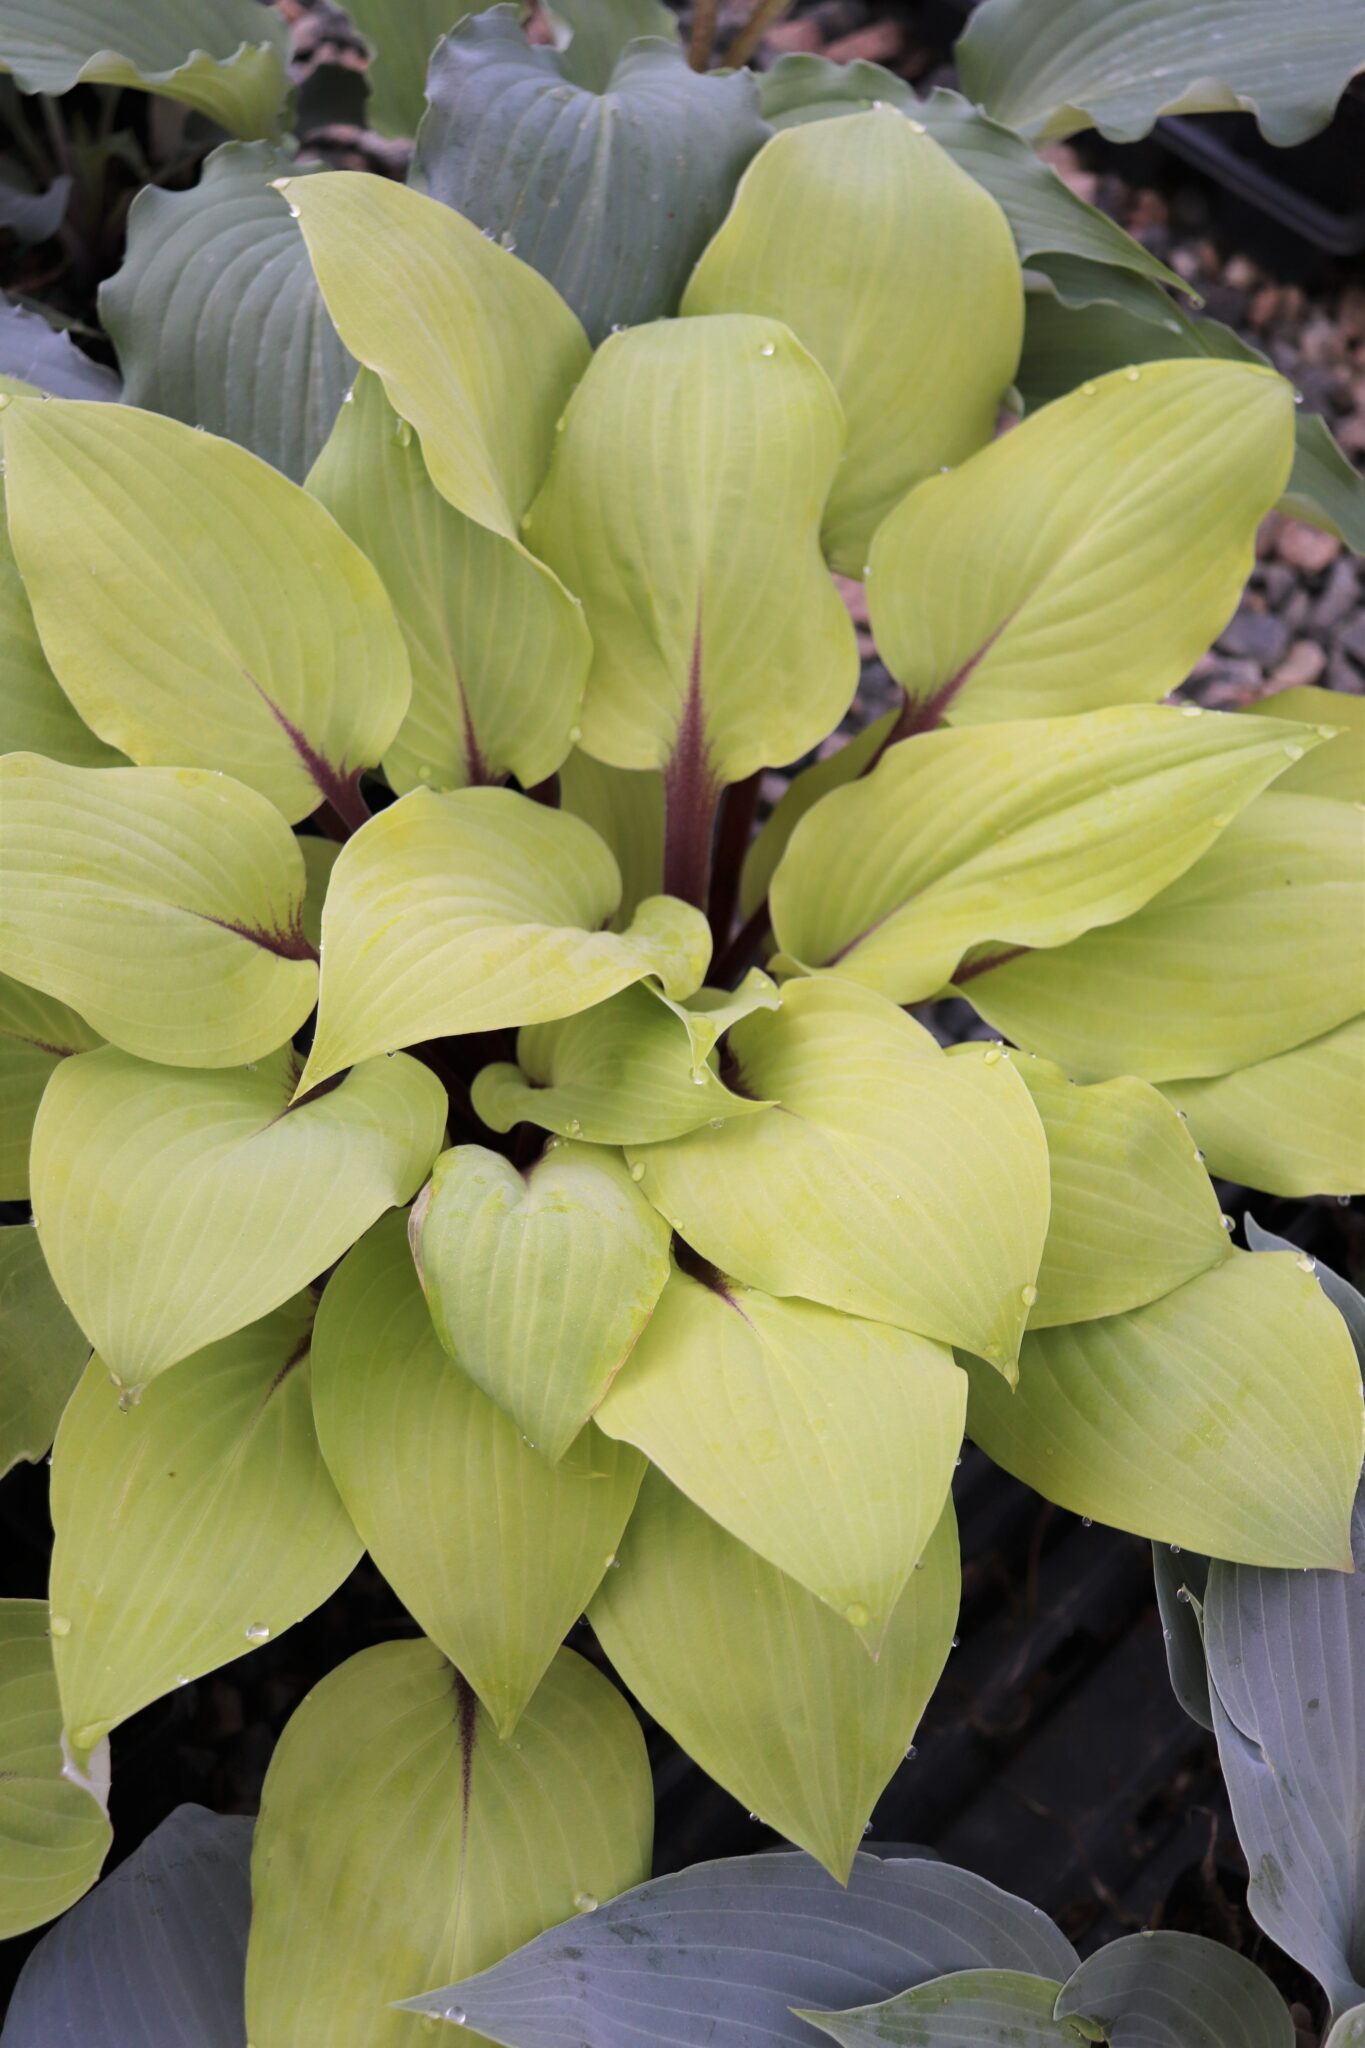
403,34
495,1551
1116,65
498,648
888,1180
610,188
591,34
807,1728
719,436
36,1033
224,58
1090,556
849,230
1023,833
37,357
216,315
1225,1417
42,1352
214,1178
477,909
1176,1991
163,904
400,1844
1292,1124
619,1074
539,1280
720,1956
155,1955
969,2009
1285,1653
1349,2031
198,608
1258,947
192,1526
54,1823
823,1441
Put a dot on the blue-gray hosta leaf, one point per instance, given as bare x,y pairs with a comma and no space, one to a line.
717,1956
34,354
1176,1991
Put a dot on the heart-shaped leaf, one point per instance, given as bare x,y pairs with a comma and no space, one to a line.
400,1843
849,230
495,1551
499,650
1293,1124
888,1181
215,1179
1025,834
192,1526
54,1823
539,1282
824,1442
590,35
162,903
969,2009
610,186
719,437
1176,1991
478,909
216,315
1090,556
198,608
155,1955
722,1955
42,1352
1225,1417
807,1728
36,1033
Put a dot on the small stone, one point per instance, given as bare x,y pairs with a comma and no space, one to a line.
1265,306
1304,547
1255,636
1353,641
1340,597
1302,666
1241,273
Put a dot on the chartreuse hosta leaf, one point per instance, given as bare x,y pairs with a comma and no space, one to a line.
539,1282
54,1828
807,1728
162,903
1024,833
1133,1211
626,808
1118,64
852,229
621,1073
495,1551
474,349
36,715
726,1954
36,1033
401,1845
197,607
477,909
1225,1416
499,650
319,858
1089,557
190,1527
1293,1124
215,1180
1338,769
224,58
887,1180
42,1352
1166,1990
824,1442
1259,947
802,794
719,437
969,2009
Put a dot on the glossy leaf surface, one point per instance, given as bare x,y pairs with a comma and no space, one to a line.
1164,1990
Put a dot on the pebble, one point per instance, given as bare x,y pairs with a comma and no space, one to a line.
1255,636
1303,665
1304,547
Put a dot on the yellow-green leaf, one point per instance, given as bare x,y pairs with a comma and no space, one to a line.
477,909
36,1033
164,904
1225,1417
1293,1124
403,34
801,794
198,608
806,1728
54,1827
493,1550
176,1206
683,505
852,231
1088,557
888,1181
1025,833
822,1441
191,1526
42,1352
626,808
36,715
401,1845
1337,769
539,1281
499,650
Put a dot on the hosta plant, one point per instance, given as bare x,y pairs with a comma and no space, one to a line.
454,1130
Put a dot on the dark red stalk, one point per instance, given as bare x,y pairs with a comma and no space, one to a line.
737,808
691,793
